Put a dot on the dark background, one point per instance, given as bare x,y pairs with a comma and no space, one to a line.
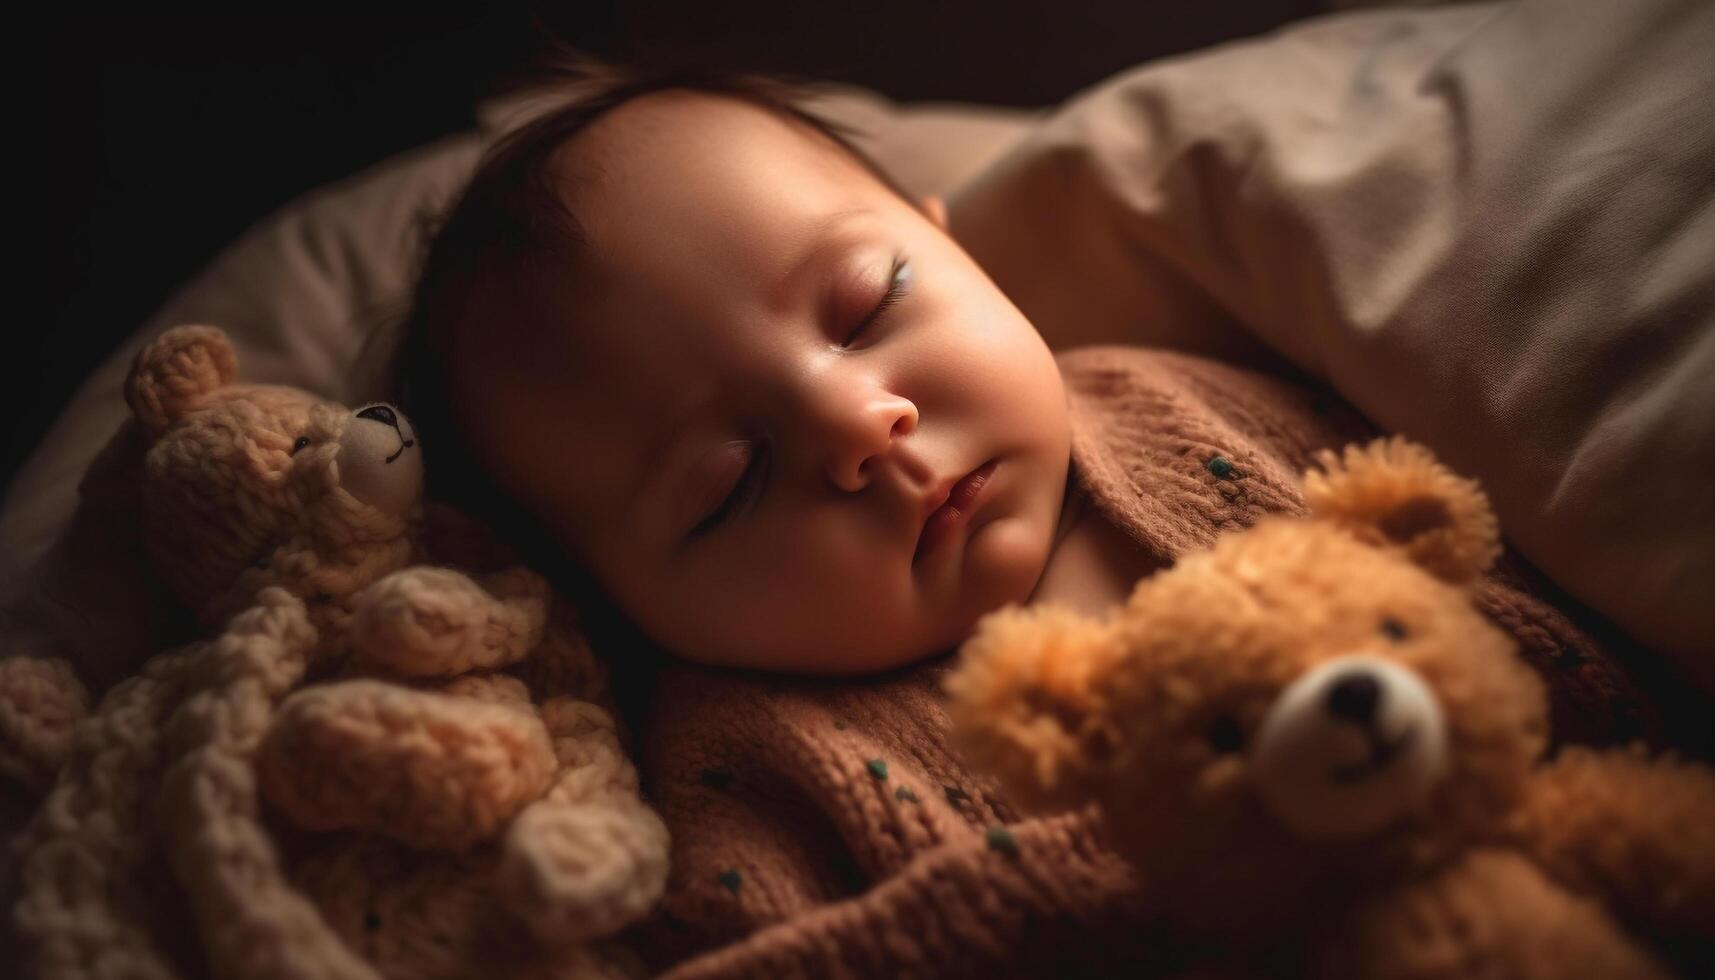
162,135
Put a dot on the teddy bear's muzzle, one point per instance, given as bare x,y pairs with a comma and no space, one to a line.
379,460
1349,748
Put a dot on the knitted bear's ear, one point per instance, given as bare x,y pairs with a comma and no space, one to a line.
175,372
1393,493
1026,702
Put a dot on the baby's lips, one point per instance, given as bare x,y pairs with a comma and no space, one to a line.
960,501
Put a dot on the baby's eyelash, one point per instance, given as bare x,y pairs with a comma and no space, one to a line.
747,486
898,284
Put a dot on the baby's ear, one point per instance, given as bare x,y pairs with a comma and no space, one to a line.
1393,493
1026,702
935,207
174,373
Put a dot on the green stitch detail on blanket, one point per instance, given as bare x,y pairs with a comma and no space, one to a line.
714,778
1000,839
877,768
1220,466
731,879
904,793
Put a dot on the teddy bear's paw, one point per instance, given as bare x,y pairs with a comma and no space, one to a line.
41,701
271,642
437,622
1026,702
1489,912
575,872
429,769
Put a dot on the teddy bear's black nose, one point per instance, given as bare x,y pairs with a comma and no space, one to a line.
1354,697
380,413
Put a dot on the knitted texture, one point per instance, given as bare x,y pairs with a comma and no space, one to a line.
175,842
795,856
41,699
1146,423
385,744
1218,718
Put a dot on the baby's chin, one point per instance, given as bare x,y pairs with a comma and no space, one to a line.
1004,559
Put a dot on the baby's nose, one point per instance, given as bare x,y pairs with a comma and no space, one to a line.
867,433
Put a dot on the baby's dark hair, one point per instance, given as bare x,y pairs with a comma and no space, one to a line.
501,250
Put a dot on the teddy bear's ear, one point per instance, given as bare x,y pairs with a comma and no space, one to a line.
1027,702
1393,493
173,374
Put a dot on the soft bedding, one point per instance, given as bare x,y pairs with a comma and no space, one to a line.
1490,228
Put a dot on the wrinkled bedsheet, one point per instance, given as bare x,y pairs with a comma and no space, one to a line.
1491,228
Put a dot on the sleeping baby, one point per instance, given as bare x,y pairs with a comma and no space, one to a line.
684,344
764,397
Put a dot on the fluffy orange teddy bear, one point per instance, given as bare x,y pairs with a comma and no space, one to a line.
1323,761
290,525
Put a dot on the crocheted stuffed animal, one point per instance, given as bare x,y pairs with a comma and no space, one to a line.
41,700
1323,761
288,524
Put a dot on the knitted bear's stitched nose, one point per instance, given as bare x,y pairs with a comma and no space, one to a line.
380,413
1354,697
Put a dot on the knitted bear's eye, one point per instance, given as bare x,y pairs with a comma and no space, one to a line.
1225,735
1394,629
301,443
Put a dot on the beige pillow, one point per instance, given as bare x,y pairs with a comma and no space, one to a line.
1492,228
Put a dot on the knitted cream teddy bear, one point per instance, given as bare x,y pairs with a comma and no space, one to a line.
1323,761
287,522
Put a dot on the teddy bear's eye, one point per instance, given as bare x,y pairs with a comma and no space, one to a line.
301,443
1225,735
1394,629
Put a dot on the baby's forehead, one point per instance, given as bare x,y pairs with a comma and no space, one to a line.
688,124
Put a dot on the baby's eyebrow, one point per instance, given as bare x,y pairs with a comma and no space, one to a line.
821,244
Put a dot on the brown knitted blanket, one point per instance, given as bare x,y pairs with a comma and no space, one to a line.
824,829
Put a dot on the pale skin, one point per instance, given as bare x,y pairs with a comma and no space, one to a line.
776,369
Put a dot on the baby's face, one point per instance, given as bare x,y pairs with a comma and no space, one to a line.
772,371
